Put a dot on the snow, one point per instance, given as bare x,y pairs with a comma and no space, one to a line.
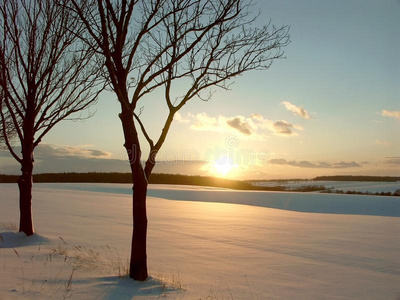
208,249
15,240
303,202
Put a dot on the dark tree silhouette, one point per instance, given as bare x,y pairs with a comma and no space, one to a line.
7,129
147,45
6,126
46,76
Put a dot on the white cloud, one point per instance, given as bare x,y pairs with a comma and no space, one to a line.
297,110
178,117
252,126
204,122
244,125
281,127
233,125
391,113
257,117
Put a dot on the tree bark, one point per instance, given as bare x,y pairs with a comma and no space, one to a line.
25,196
138,262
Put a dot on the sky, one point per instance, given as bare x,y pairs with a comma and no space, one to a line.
331,107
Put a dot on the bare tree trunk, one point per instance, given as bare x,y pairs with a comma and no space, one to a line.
138,262
25,180
25,196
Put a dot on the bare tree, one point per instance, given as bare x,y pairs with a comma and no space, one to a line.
6,126
148,45
46,76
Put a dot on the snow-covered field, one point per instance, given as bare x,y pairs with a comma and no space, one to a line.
357,186
208,247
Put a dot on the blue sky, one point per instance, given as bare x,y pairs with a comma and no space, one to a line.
342,67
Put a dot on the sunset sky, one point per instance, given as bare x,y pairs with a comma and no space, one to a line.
331,107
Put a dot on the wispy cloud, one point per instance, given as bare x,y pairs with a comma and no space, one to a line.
391,114
297,110
47,150
253,126
315,165
54,159
393,160
84,151
383,143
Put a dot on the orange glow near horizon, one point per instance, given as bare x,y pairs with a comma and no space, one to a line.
222,167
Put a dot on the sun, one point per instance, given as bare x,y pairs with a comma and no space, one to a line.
222,167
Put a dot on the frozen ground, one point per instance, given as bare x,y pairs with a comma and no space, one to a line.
357,186
196,249
304,202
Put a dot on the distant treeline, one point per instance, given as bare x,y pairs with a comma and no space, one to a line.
279,180
335,178
396,193
96,177
357,178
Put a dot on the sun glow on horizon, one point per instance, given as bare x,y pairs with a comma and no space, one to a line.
222,167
